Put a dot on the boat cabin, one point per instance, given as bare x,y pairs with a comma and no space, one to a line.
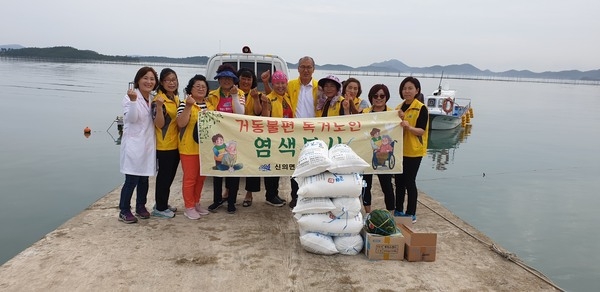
435,101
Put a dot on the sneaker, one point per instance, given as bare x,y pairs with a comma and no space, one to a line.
173,209
231,209
275,201
214,206
292,203
201,210
399,213
167,213
281,199
127,217
142,212
191,213
414,219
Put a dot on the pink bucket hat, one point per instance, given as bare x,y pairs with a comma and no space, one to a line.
279,76
333,78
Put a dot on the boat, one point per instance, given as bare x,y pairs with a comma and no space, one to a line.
258,63
446,110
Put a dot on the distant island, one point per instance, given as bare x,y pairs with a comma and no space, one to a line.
73,54
390,67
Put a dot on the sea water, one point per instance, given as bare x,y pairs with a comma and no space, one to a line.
525,173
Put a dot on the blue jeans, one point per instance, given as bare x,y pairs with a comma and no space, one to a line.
131,182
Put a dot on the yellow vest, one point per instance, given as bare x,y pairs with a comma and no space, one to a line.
212,100
333,110
414,146
277,104
294,92
370,109
166,137
249,107
187,144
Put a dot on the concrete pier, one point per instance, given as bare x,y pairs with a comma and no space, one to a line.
256,249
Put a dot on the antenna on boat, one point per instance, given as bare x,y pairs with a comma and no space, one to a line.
439,92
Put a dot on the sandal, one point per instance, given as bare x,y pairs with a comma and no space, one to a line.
247,203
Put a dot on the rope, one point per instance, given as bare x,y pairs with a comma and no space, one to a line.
377,228
507,255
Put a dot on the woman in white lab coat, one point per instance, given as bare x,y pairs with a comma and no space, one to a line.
138,145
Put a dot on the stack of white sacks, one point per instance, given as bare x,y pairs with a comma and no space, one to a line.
328,209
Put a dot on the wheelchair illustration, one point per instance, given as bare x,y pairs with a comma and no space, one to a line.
380,159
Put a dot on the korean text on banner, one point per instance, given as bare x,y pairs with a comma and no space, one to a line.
241,145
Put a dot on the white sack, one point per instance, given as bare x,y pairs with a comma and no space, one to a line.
309,205
313,159
330,185
328,224
318,243
345,160
349,245
346,207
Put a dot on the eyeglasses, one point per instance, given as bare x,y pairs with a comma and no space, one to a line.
379,96
170,80
305,68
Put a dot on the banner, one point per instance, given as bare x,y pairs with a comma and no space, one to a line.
241,145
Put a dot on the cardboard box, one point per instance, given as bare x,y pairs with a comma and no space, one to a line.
380,247
420,246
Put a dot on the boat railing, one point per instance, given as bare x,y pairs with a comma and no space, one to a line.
462,101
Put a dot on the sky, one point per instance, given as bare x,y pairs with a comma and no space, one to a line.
497,35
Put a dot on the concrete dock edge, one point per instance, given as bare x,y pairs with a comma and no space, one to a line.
256,249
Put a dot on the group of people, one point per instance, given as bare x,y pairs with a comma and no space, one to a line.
160,131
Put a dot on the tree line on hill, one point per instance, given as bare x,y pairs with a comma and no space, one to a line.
73,54
65,53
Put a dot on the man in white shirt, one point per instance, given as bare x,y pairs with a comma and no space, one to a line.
303,94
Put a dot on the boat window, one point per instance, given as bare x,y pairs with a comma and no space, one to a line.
431,102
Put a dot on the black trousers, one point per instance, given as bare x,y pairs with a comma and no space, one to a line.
406,183
271,186
168,161
232,183
295,188
253,184
386,186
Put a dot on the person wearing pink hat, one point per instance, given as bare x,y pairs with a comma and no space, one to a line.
329,101
278,105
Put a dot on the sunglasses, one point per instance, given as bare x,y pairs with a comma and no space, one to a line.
379,96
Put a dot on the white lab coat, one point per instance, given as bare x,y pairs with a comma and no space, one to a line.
138,144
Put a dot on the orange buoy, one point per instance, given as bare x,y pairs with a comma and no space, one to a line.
448,105
87,130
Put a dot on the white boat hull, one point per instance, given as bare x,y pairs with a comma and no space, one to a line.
443,122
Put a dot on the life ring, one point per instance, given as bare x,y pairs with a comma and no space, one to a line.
445,108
